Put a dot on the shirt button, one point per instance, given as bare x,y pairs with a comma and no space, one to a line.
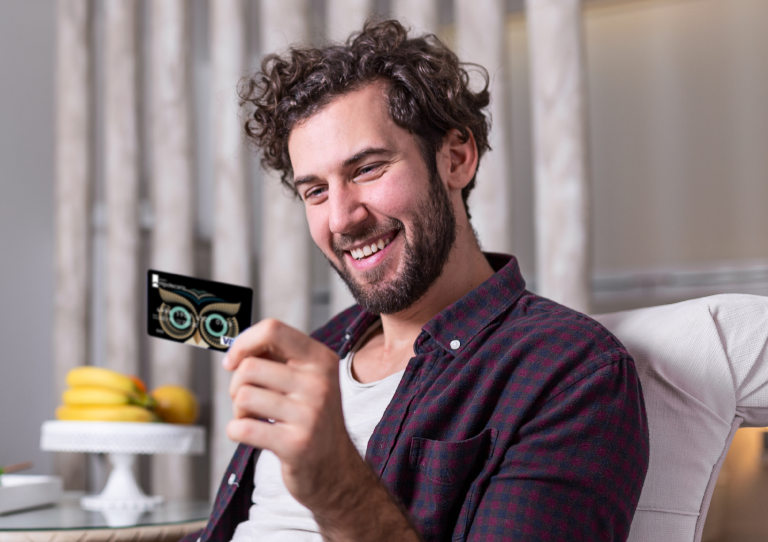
347,337
455,344
233,480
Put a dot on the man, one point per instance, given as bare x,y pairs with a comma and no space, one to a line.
464,407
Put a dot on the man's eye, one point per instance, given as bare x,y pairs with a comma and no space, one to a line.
370,168
314,192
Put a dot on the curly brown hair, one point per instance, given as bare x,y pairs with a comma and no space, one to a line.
428,91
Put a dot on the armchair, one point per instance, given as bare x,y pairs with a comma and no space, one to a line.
703,365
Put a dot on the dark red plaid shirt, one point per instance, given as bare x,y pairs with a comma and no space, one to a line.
518,419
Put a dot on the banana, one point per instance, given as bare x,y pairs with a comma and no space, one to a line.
106,379
112,413
98,376
90,395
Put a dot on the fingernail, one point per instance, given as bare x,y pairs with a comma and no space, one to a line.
225,362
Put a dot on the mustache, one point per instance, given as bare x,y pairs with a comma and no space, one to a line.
343,241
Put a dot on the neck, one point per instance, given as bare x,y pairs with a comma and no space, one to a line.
465,270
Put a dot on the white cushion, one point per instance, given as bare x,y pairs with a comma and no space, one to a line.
703,366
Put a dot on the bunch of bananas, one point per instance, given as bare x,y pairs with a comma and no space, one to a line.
97,394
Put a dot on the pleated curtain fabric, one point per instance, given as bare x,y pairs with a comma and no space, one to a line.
173,202
73,201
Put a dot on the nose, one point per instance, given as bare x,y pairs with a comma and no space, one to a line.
346,209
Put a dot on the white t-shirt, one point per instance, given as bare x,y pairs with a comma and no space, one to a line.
275,515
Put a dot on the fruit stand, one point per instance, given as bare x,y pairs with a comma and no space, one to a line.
104,411
121,440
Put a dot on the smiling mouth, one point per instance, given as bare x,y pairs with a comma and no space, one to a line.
371,248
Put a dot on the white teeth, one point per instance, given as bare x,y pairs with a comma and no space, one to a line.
360,253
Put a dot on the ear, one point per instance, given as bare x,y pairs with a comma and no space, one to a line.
457,160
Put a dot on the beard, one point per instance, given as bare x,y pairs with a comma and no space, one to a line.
426,251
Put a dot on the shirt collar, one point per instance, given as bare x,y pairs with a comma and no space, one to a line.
456,325
465,318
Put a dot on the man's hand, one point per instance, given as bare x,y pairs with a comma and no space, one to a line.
281,374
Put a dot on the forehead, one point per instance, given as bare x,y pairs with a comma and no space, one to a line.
350,123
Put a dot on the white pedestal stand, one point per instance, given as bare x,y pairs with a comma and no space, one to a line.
121,490
122,500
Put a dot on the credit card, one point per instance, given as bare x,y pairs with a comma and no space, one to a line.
197,312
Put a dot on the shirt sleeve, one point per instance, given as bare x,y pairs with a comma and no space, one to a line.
577,468
192,537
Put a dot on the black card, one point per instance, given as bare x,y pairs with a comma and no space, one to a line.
195,311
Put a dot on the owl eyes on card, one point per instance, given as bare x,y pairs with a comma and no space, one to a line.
218,320
177,319
205,325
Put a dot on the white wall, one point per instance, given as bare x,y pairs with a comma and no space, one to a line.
679,103
27,35
678,124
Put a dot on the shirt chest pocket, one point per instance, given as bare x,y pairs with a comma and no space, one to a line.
451,462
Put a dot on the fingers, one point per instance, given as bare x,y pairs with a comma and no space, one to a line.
256,433
306,387
264,373
284,375
259,403
274,381
284,440
274,340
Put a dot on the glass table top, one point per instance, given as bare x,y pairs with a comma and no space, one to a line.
67,514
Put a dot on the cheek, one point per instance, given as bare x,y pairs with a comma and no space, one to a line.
317,219
395,198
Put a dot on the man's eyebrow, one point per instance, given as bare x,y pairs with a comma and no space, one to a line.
304,180
348,162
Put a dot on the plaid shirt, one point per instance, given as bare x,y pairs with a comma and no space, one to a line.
517,419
